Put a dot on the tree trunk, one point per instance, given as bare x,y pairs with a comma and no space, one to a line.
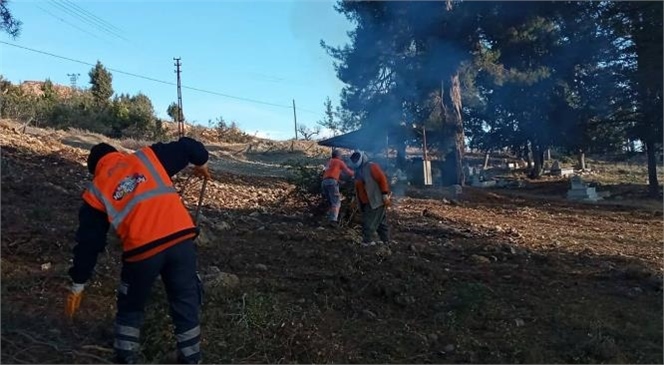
582,160
401,155
538,159
548,154
653,184
458,156
527,155
451,112
486,160
540,155
455,94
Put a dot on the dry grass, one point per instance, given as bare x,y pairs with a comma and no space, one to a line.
623,173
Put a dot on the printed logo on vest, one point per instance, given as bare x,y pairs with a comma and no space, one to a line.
128,185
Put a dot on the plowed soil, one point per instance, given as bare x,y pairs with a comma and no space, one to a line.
498,276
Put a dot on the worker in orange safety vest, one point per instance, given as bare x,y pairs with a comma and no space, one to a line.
134,194
372,191
330,185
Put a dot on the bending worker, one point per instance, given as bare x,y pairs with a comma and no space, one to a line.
373,194
134,193
330,185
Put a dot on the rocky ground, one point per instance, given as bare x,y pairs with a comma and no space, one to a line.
495,276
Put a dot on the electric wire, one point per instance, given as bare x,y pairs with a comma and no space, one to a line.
250,100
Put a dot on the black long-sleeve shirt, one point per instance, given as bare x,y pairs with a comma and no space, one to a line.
93,224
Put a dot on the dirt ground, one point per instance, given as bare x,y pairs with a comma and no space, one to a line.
497,276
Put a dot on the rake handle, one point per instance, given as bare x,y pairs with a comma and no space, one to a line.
200,201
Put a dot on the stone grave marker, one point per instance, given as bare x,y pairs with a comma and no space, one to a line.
581,191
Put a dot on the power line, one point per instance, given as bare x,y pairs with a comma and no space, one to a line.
307,110
70,24
95,19
237,97
94,16
46,53
159,81
77,16
73,11
59,7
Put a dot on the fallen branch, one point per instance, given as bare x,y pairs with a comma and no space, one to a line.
25,125
38,342
58,349
269,149
98,348
95,357
15,360
241,150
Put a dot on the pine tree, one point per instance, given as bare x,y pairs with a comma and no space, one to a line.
173,111
8,23
102,84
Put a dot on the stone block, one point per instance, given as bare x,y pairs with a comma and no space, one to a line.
565,171
588,194
603,194
488,184
577,183
484,184
469,171
451,192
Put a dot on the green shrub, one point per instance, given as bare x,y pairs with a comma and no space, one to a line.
306,179
230,132
124,117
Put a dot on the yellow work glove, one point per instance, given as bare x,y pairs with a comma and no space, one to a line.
202,172
387,199
74,299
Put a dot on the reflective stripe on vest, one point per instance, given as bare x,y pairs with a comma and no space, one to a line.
116,217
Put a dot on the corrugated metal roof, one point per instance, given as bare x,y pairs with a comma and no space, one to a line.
359,139
374,140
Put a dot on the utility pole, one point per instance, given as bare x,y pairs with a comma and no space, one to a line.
424,138
180,116
72,79
426,164
295,121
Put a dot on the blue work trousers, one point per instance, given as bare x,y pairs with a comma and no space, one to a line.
331,194
177,267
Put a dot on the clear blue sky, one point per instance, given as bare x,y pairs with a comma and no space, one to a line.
263,50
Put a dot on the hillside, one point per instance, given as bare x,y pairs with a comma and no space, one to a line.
497,275
36,88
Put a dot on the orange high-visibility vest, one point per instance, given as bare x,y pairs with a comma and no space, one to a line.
141,203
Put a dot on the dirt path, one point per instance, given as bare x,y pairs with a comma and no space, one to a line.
227,163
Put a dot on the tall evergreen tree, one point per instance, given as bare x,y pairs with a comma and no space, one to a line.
173,110
639,27
102,84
